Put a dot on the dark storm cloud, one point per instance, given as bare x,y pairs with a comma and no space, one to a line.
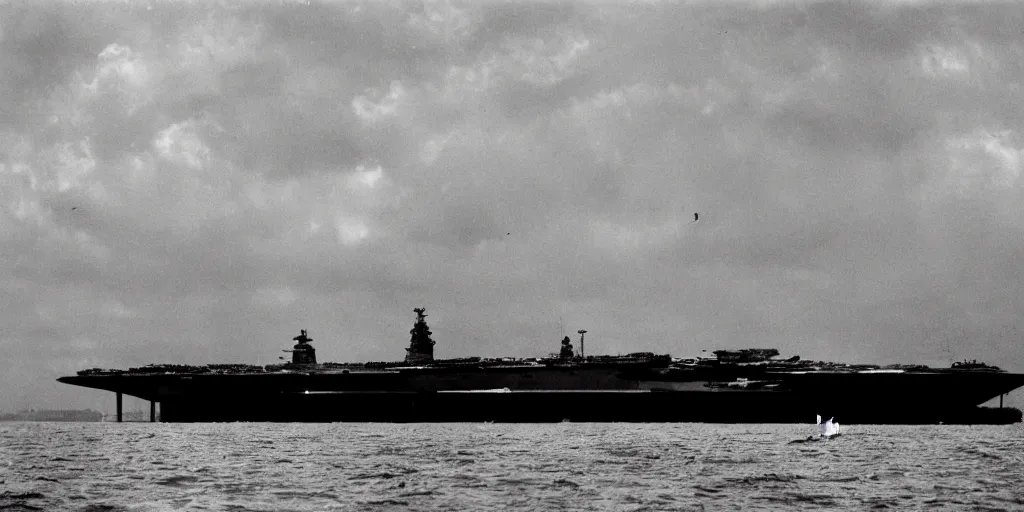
41,47
185,183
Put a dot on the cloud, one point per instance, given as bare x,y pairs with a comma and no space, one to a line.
180,144
119,69
275,297
444,22
540,62
371,111
365,179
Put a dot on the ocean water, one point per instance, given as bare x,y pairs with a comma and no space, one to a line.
567,466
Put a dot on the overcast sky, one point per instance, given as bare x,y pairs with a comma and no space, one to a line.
187,184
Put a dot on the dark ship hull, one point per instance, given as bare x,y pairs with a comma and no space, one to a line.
747,386
581,392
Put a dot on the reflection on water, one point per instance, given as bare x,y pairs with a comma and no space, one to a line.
567,466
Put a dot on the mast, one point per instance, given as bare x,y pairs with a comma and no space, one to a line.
581,332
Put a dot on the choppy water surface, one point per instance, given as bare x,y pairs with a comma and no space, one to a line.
568,466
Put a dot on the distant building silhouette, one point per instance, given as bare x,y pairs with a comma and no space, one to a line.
53,415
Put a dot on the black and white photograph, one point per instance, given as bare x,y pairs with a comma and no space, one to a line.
519,255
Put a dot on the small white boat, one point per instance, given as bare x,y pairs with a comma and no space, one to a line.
828,429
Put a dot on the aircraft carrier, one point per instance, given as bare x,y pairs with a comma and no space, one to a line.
725,386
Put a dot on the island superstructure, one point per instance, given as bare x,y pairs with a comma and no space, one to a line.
732,386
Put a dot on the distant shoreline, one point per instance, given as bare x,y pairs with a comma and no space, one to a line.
53,415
